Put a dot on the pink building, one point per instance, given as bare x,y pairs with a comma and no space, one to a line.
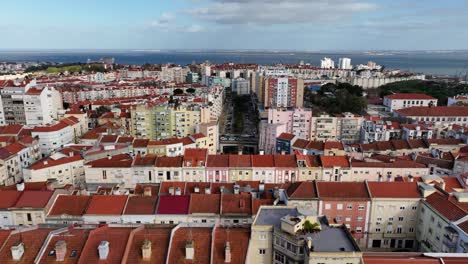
217,168
294,121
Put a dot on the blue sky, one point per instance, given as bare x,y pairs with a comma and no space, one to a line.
234,24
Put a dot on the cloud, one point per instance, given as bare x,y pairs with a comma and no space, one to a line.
267,12
164,22
194,29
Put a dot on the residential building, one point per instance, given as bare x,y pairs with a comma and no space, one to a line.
439,116
344,64
41,105
282,92
406,100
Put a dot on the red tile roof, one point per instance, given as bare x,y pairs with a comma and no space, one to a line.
34,199
125,140
218,161
333,145
202,245
117,238
117,161
240,161
238,239
109,138
75,240
342,190
300,143
49,162
302,190
334,161
15,147
159,236
236,204
141,205
11,129
204,203
107,204
140,143
73,205
8,199
264,161
286,136
415,96
195,157
394,190
190,187
173,204
447,206
147,160
32,240
434,111
169,162
257,203
52,128
165,185
285,161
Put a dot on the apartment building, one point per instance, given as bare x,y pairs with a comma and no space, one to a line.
54,137
344,127
41,105
374,129
439,116
282,92
406,100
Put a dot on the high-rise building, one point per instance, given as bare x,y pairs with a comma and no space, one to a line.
345,64
327,63
282,92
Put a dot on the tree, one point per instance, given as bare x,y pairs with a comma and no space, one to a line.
310,227
178,91
190,90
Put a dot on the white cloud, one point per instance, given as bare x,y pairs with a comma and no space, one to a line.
266,12
194,29
164,22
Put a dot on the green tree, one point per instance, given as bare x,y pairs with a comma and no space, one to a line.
178,91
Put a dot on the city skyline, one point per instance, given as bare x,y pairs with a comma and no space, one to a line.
236,25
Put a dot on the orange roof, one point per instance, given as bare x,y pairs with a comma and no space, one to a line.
147,160
117,161
240,161
49,162
75,240
302,190
256,203
238,239
169,162
447,206
434,111
8,199
263,161
159,236
15,147
334,161
117,238
394,190
73,205
32,239
107,204
202,245
286,136
218,161
195,157
285,161
44,129
204,203
34,199
141,205
236,204
342,190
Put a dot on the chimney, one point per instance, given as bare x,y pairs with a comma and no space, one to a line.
261,152
17,251
236,189
71,153
227,252
60,250
283,152
304,152
190,250
146,249
221,189
103,250
147,191
109,157
207,190
178,191
442,185
196,189
261,187
20,186
239,152
45,162
410,178
171,190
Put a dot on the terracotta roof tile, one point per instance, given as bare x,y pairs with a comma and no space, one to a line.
334,161
190,187
300,143
166,185
202,245
286,136
285,161
109,138
264,161
107,204
218,161
169,162
141,205
32,240
448,206
394,190
173,204
204,203
257,203
342,190
434,111
73,205
238,239
159,236
117,161
240,161
195,157
34,199
302,190
147,160
8,199
236,204
117,238
140,143
75,240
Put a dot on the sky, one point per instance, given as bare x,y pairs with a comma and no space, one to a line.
308,25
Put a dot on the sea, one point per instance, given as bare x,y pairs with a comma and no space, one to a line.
449,63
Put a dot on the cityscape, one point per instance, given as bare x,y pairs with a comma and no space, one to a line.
252,153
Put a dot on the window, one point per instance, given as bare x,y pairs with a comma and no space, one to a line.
390,219
377,230
402,208
411,230
327,206
262,251
104,175
359,218
358,229
349,207
414,207
400,218
348,219
339,206
262,237
399,230
361,207
28,215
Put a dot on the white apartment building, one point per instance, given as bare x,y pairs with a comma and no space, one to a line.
54,137
327,63
41,105
405,100
65,168
345,64
439,116
345,127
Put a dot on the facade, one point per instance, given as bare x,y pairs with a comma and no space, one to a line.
406,100
438,116
54,137
240,86
283,92
41,106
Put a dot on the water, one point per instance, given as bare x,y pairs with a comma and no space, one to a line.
439,63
